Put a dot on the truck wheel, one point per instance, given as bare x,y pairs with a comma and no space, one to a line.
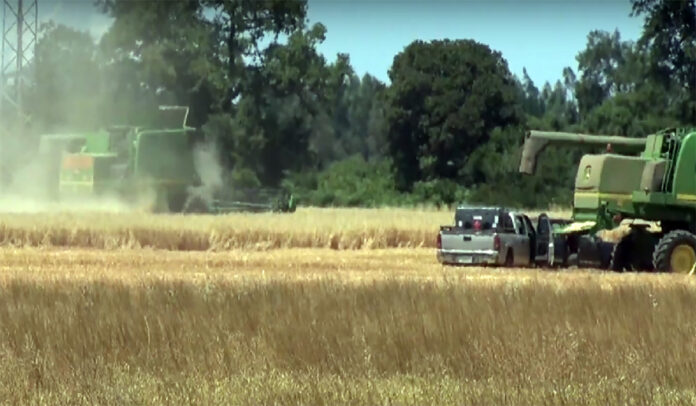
675,252
510,258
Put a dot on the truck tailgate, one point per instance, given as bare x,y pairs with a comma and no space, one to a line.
466,248
461,242
460,246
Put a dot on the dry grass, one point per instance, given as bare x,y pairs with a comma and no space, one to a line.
315,228
307,228
313,326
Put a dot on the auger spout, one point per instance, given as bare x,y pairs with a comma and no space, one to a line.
536,141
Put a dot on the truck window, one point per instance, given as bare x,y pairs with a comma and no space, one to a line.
476,220
508,227
521,229
528,224
543,227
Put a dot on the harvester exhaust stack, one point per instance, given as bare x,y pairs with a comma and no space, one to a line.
537,141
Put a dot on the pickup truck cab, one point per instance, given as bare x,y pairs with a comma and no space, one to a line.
495,236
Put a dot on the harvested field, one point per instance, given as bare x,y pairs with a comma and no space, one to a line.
307,228
317,326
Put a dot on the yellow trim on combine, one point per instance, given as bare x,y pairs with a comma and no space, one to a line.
604,195
579,226
686,197
622,196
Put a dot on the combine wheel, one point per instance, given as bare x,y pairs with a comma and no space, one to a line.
634,252
676,252
619,261
196,205
176,202
573,261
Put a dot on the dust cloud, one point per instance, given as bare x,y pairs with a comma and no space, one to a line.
21,204
29,176
206,160
210,171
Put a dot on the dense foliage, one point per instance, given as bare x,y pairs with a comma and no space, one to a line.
448,127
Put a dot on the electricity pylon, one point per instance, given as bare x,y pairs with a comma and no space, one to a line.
20,24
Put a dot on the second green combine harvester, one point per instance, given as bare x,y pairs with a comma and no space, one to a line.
151,167
648,184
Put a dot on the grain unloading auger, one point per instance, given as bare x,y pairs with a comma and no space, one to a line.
647,184
154,167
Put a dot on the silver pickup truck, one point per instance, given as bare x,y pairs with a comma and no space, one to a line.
495,236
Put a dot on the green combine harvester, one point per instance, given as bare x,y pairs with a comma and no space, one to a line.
145,167
647,184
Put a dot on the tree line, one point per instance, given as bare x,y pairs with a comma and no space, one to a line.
448,127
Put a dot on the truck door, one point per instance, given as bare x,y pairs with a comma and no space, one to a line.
522,249
544,243
531,233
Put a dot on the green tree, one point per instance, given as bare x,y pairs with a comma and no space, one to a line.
616,93
167,49
445,99
67,85
532,103
248,69
560,109
283,99
669,35
600,65
356,182
354,123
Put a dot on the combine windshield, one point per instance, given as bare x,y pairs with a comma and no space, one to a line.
477,220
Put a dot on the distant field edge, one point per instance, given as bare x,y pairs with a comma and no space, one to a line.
339,229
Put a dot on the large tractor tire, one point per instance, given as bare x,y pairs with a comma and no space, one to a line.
675,252
161,203
196,204
620,260
176,201
592,253
634,252
573,261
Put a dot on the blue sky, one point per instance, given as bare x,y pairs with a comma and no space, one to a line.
542,35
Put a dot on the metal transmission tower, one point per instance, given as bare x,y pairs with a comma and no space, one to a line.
20,24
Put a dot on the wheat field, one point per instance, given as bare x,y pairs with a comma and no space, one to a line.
307,228
320,307
321,326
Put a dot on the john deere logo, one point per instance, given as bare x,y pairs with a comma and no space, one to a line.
588,172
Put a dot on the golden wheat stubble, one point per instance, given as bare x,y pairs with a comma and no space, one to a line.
307,228
308,325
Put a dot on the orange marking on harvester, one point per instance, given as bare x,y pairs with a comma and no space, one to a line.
78,162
